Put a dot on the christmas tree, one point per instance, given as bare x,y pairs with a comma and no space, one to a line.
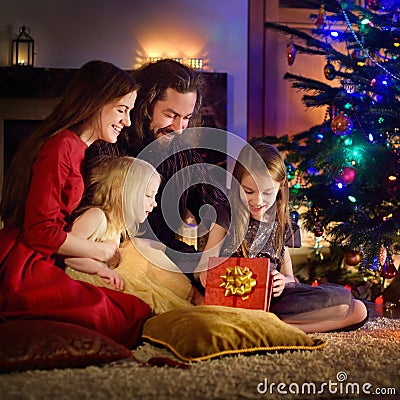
347,169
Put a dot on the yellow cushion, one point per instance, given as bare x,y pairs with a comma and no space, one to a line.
204,332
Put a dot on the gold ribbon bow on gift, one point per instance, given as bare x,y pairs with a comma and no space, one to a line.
238,282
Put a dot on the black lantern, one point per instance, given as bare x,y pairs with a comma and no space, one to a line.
23,48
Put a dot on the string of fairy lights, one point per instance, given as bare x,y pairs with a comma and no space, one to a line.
362,46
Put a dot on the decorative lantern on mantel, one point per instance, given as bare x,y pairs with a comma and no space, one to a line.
23,48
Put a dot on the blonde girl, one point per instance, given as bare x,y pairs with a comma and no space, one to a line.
120,195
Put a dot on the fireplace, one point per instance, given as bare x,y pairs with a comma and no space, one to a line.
18,118
27,96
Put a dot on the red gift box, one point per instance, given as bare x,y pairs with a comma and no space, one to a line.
239,282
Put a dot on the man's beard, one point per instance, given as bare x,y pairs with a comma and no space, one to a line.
166,134
158,149
166,137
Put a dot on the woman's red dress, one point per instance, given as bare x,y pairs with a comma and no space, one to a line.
31,284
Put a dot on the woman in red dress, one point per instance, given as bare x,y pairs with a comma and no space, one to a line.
44,185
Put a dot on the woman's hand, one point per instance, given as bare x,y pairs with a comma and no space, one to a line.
278,283
114,260
112,256
112,278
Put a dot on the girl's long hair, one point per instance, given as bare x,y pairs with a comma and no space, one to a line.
94,85
117,185
256,159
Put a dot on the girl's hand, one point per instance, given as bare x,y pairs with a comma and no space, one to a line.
111,277
197,298
278,283
202,277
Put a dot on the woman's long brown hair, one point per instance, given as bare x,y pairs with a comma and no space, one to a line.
94,85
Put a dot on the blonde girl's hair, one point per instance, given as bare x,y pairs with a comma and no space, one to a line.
115,185
136,183
256,159
94,85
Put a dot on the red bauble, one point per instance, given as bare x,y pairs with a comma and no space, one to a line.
388,269
341,124
290,53
352,258
374,5
347,176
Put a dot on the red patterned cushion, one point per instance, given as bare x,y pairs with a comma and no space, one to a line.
39,344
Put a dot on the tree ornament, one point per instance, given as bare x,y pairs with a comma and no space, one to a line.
290,53
349,86
382,255
347,176
352,258
388,269
341,125
329,71
394,139
318,229
373,5
320,21
379,6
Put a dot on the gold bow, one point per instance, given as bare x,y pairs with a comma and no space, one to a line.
238,282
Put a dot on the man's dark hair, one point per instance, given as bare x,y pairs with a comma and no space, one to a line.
154,79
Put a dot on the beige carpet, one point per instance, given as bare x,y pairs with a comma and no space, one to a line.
368,357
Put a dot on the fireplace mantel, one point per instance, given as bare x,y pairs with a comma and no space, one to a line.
29,82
